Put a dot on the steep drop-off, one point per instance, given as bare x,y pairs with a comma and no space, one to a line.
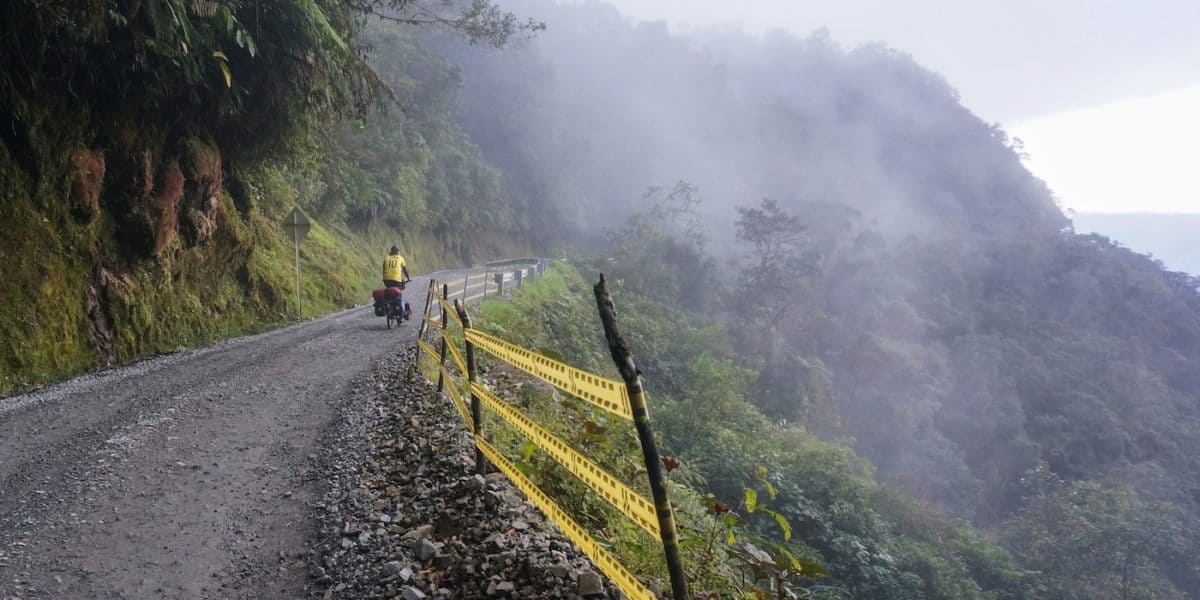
908,286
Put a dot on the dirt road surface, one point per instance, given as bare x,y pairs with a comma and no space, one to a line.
192,475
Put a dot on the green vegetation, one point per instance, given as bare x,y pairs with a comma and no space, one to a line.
876,318
886,268
149,149
872,541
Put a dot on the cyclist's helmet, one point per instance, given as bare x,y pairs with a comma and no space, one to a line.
395,249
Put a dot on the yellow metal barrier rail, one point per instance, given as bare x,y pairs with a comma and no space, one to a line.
456,396
449,309
637,508
428,349
608,394
615,570
454,353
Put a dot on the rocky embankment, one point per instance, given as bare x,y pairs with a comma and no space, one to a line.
406,518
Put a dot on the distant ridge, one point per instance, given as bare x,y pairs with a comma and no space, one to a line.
1173,239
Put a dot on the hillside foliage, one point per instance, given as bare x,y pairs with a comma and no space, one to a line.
747,488
845,280
886,267
150,148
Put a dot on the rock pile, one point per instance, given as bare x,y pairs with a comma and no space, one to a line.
407,518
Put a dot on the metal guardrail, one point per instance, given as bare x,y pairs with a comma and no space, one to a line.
622,398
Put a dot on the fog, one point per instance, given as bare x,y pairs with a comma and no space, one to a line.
611,108
1012,61
945,318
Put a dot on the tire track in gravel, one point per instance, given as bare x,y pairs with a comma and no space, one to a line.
192,475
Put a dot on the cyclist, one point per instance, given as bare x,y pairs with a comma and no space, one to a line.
395,271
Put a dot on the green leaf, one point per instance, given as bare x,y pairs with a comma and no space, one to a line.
751,500
786,560
730,537
315,14
783,524
527,450
220,55
223,19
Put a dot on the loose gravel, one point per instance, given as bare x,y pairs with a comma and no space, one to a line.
299,463
406,517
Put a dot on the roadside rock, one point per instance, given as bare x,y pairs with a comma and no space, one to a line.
412,593
391,569
588,583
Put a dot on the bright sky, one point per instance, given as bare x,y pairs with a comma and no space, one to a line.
1105,93
1137,155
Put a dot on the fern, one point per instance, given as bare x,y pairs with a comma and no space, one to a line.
317,16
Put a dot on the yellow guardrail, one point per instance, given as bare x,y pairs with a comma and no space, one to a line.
428,350
456,396
637,508
601,557
449,309
454,353
608,394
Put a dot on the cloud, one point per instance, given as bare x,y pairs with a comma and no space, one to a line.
1136,155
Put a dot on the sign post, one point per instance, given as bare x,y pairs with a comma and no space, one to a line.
298,225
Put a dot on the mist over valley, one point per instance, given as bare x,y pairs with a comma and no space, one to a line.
882,362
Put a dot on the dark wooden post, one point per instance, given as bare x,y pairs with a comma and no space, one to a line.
476,406
641,420
499,283
445,323
517,277
425,313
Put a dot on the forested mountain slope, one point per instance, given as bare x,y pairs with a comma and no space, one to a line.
932,301
1172,238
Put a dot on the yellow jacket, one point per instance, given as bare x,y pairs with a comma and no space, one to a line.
393,268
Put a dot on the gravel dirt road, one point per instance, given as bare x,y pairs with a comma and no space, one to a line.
192,475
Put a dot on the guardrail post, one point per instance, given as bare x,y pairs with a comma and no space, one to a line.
476,407
445,323
485,282
466,280
425,313
499,283
641,420
517,277
532,274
